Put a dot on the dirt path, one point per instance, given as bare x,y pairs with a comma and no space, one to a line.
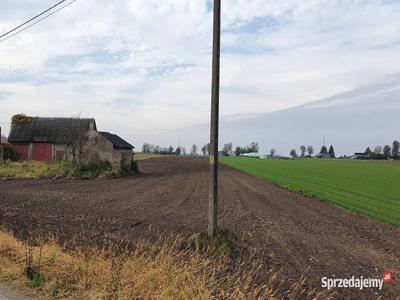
171,196
10,293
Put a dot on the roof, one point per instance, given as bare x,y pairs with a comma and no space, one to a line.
116,140
50,130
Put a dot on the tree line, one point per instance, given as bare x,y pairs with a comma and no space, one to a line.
309,152
385,152
227,149
156,149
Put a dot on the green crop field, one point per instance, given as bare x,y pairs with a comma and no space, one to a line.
371,188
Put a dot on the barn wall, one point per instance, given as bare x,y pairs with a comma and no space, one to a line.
117,157
97,147
104,148
89,149
122,157
42,151
62,152
21,151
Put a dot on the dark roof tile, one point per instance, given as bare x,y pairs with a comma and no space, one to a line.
50,130
116,140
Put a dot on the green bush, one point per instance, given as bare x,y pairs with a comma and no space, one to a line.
8,152
91,170
222,241
131,170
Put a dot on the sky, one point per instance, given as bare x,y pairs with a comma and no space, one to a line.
140,66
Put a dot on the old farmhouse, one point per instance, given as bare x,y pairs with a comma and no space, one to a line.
73,139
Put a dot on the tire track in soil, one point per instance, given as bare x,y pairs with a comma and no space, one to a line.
171,194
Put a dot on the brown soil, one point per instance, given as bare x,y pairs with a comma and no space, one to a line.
170,196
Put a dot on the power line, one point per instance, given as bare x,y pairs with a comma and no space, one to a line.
39,20
42,13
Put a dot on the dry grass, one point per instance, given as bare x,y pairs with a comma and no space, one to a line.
162,270
143,156
32,169
61,169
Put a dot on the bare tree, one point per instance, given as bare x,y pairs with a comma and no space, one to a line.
272,152
194,150
302,150
387,151
146,148
310,150
227,149
76,136
253,147
170,150
204,150
396,150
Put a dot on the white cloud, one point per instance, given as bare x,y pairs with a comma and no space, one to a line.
138,65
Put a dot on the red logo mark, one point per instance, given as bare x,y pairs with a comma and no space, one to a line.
387,277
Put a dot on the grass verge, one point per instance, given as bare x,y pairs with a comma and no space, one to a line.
162,270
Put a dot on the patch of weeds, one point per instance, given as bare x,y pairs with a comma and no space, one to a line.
309,194
32,272
130,170
222,241
36,281
91,170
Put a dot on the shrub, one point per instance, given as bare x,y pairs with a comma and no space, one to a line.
130,170
91,170
222,241
8,152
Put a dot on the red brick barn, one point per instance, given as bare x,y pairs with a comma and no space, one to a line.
73,139
47,139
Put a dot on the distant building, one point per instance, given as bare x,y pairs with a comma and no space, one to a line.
73,139
360,155
255,155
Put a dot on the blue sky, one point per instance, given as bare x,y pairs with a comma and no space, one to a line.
140,65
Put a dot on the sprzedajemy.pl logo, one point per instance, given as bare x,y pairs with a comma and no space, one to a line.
356,282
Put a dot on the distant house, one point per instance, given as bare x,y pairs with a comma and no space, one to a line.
73,139
360,155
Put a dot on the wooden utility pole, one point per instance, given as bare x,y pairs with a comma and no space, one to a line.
213,176
1,148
